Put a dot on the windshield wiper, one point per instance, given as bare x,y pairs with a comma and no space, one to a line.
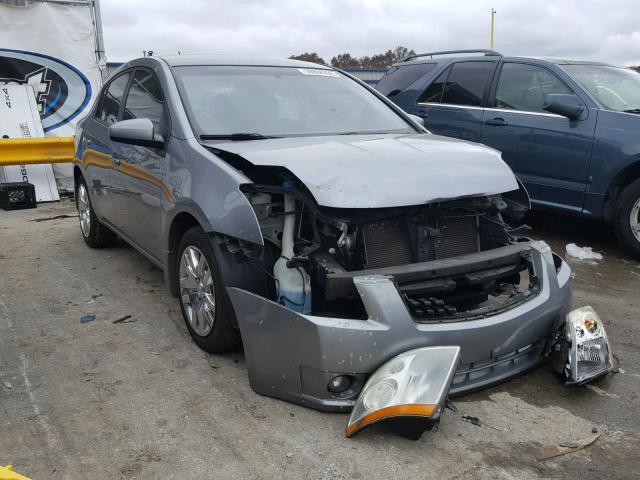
235,136
632,110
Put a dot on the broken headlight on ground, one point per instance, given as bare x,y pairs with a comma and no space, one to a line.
582,350
408,392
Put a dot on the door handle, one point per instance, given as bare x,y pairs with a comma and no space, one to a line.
496,122
422,113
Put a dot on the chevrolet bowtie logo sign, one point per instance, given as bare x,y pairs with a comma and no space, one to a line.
36,80
61,90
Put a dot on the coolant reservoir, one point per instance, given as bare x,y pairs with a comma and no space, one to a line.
292,284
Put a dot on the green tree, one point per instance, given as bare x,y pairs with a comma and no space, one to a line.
309,57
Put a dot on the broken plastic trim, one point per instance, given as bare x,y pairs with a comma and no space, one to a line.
409,391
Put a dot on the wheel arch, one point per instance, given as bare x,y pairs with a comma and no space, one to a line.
180,224
620,181
77,173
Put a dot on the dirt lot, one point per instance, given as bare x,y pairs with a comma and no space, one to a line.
139,400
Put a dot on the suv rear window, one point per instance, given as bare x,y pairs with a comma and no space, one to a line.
465,84
399,78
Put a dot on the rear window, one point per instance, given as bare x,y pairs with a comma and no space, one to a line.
399,78
463,84
467,82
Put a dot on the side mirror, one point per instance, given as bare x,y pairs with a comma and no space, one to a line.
137,131
567,105
417,119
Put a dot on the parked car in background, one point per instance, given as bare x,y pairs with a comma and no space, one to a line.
295,205
570,130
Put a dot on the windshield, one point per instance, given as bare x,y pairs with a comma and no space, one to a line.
614,87
281,102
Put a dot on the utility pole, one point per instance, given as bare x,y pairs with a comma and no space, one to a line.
493,14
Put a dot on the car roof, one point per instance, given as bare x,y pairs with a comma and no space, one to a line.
200,60
448,58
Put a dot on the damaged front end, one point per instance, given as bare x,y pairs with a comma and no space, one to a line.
354,291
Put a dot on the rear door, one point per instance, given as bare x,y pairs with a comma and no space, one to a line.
452,104
549,153
138,183
96,153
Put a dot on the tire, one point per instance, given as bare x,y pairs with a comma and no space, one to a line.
95,234
627,217
205,305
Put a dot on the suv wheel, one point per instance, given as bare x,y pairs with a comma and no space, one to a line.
627,219
206,308
95,234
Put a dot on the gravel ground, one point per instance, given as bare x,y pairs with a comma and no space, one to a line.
138,399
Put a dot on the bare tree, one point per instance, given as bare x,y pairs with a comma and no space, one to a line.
309,57
379,60
400,53
345,60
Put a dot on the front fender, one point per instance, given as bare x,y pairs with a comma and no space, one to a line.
208,188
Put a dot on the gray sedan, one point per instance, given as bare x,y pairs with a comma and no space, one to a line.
360,260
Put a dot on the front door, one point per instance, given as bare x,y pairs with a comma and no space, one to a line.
139,172
549,153
452,104
95,147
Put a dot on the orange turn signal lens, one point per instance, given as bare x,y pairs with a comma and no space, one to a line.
409,410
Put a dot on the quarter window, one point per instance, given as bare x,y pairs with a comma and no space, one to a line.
433,93
145,100
524,87
399,78
112,99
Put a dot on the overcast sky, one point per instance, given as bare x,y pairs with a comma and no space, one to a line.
583,29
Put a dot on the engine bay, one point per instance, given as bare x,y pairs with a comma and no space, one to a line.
312,253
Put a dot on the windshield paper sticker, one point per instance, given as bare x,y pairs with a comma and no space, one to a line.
318,71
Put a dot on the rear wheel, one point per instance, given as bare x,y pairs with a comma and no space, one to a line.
95,234
206,308
627,219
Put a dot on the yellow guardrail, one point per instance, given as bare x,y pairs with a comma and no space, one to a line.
29,151
7,473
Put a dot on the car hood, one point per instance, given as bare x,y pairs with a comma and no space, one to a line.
375,171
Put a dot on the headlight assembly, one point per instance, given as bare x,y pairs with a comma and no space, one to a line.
585,347
408,391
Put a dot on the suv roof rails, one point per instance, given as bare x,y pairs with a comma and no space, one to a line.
487,53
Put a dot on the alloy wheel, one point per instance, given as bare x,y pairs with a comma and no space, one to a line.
197,290
634,220
84,210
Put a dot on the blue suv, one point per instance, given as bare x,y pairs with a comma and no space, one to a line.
570,130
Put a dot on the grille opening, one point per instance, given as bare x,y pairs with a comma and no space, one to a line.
472,295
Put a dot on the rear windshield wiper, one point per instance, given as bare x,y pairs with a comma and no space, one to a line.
632,110
235,136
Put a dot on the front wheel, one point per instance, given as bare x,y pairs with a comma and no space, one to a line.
206,308
627,218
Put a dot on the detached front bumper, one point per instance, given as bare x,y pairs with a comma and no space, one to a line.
293,357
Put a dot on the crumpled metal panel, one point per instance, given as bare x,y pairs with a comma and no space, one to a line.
376,171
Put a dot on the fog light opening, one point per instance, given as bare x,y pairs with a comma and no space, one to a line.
340,384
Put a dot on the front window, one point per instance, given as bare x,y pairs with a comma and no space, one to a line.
281,102
614,87
525,87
